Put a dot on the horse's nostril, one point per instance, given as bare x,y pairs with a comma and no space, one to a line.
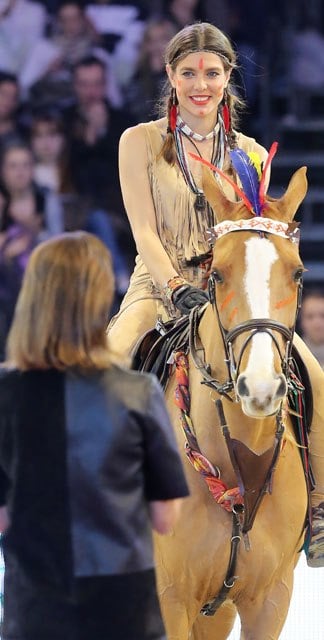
282,389
242,388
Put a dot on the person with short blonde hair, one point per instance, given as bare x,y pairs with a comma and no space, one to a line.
88,460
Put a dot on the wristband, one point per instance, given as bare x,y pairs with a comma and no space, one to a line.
172,285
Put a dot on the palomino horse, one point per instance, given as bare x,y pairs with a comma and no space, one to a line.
244,335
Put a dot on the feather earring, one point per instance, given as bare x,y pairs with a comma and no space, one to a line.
226,114
173,111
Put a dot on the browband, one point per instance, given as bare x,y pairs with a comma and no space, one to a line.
288,230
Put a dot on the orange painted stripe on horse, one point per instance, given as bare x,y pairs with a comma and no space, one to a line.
233,314
227,300
285,301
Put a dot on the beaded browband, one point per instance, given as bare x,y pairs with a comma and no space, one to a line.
288,230
183,54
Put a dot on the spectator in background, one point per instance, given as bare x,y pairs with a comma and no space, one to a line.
143,90
93,129
51,156
311,321
72,37
10,124
29,215
47,76
53,170
98,441
34,208
121,26
22,23
183,12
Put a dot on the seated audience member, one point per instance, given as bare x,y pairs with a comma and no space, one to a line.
121,26
32,207
52,169
10,122
71,38
22,23
47,77
88,461
93,128
30,215
311,321
183,12
143,91
51,157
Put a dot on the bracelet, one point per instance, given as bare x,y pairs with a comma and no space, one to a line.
171,286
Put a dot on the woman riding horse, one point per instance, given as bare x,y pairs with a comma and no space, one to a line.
169,214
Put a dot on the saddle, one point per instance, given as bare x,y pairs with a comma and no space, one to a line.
154,349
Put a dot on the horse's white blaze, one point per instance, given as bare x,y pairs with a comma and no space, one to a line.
260,376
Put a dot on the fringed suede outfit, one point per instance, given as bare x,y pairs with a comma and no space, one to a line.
182,234
80,458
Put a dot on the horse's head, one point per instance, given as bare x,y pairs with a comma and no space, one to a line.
255,282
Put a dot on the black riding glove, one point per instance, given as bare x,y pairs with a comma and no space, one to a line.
187,297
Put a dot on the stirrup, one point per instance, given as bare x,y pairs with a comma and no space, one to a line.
315,551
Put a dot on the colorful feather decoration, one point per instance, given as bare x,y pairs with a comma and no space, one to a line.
272,153
237,189
249,170
249,177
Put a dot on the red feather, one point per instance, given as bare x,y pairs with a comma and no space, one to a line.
173,117
271,154
226,117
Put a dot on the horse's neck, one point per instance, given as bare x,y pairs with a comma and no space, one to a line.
258,434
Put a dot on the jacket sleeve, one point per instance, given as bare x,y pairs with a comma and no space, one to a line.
164,474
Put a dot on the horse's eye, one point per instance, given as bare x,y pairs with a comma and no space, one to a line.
217,276
298,274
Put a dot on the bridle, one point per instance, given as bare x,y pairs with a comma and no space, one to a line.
250,327
254,326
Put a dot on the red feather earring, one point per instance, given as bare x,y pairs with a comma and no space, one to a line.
173,111
226,114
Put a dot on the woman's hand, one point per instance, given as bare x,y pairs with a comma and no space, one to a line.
187,297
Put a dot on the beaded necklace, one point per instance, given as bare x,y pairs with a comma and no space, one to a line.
217,158
184,128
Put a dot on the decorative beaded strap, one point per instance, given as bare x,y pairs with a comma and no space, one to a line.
288,230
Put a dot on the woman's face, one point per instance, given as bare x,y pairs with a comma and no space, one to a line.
17,169
199,80
71,20
47,142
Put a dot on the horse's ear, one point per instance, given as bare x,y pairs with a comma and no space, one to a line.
224,209
288,204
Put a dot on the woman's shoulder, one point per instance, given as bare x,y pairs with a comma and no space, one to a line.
139,132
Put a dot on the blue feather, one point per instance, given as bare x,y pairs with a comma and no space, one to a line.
248,176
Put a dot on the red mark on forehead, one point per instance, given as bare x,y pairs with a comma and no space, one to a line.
201,63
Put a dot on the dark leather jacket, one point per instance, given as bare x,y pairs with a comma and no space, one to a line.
80,457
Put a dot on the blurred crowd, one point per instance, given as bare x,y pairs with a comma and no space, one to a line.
73,76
